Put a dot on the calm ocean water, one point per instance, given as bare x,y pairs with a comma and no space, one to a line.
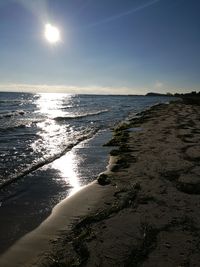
51,145
35,129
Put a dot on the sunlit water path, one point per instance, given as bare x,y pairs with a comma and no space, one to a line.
50,146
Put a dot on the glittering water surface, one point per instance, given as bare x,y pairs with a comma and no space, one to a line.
35,129
50,146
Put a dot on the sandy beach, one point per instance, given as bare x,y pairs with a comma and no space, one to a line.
143,211
99,133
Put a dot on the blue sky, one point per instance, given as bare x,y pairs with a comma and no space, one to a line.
107,46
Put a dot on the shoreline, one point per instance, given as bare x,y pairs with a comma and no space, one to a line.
29,201
43,191
147,211
153,216
27,250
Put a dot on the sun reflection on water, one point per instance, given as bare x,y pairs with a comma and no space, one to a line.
51,104
53,136
68,169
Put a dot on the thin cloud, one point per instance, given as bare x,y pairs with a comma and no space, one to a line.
118,16
40,88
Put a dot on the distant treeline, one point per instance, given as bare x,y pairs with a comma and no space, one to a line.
192,98
191,94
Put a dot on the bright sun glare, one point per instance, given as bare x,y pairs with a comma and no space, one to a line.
52,33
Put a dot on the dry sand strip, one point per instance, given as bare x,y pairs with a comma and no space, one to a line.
147,210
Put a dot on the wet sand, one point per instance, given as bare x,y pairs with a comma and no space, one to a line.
32,248
30,201
146,212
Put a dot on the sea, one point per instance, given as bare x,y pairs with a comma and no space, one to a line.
51,144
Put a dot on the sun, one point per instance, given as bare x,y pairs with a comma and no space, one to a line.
52,33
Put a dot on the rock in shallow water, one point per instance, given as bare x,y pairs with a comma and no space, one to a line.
103,179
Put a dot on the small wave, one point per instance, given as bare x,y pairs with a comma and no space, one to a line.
47,160
78,116
4,101
9,101
11,128
69,106
12,114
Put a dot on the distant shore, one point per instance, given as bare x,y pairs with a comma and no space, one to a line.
145,211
